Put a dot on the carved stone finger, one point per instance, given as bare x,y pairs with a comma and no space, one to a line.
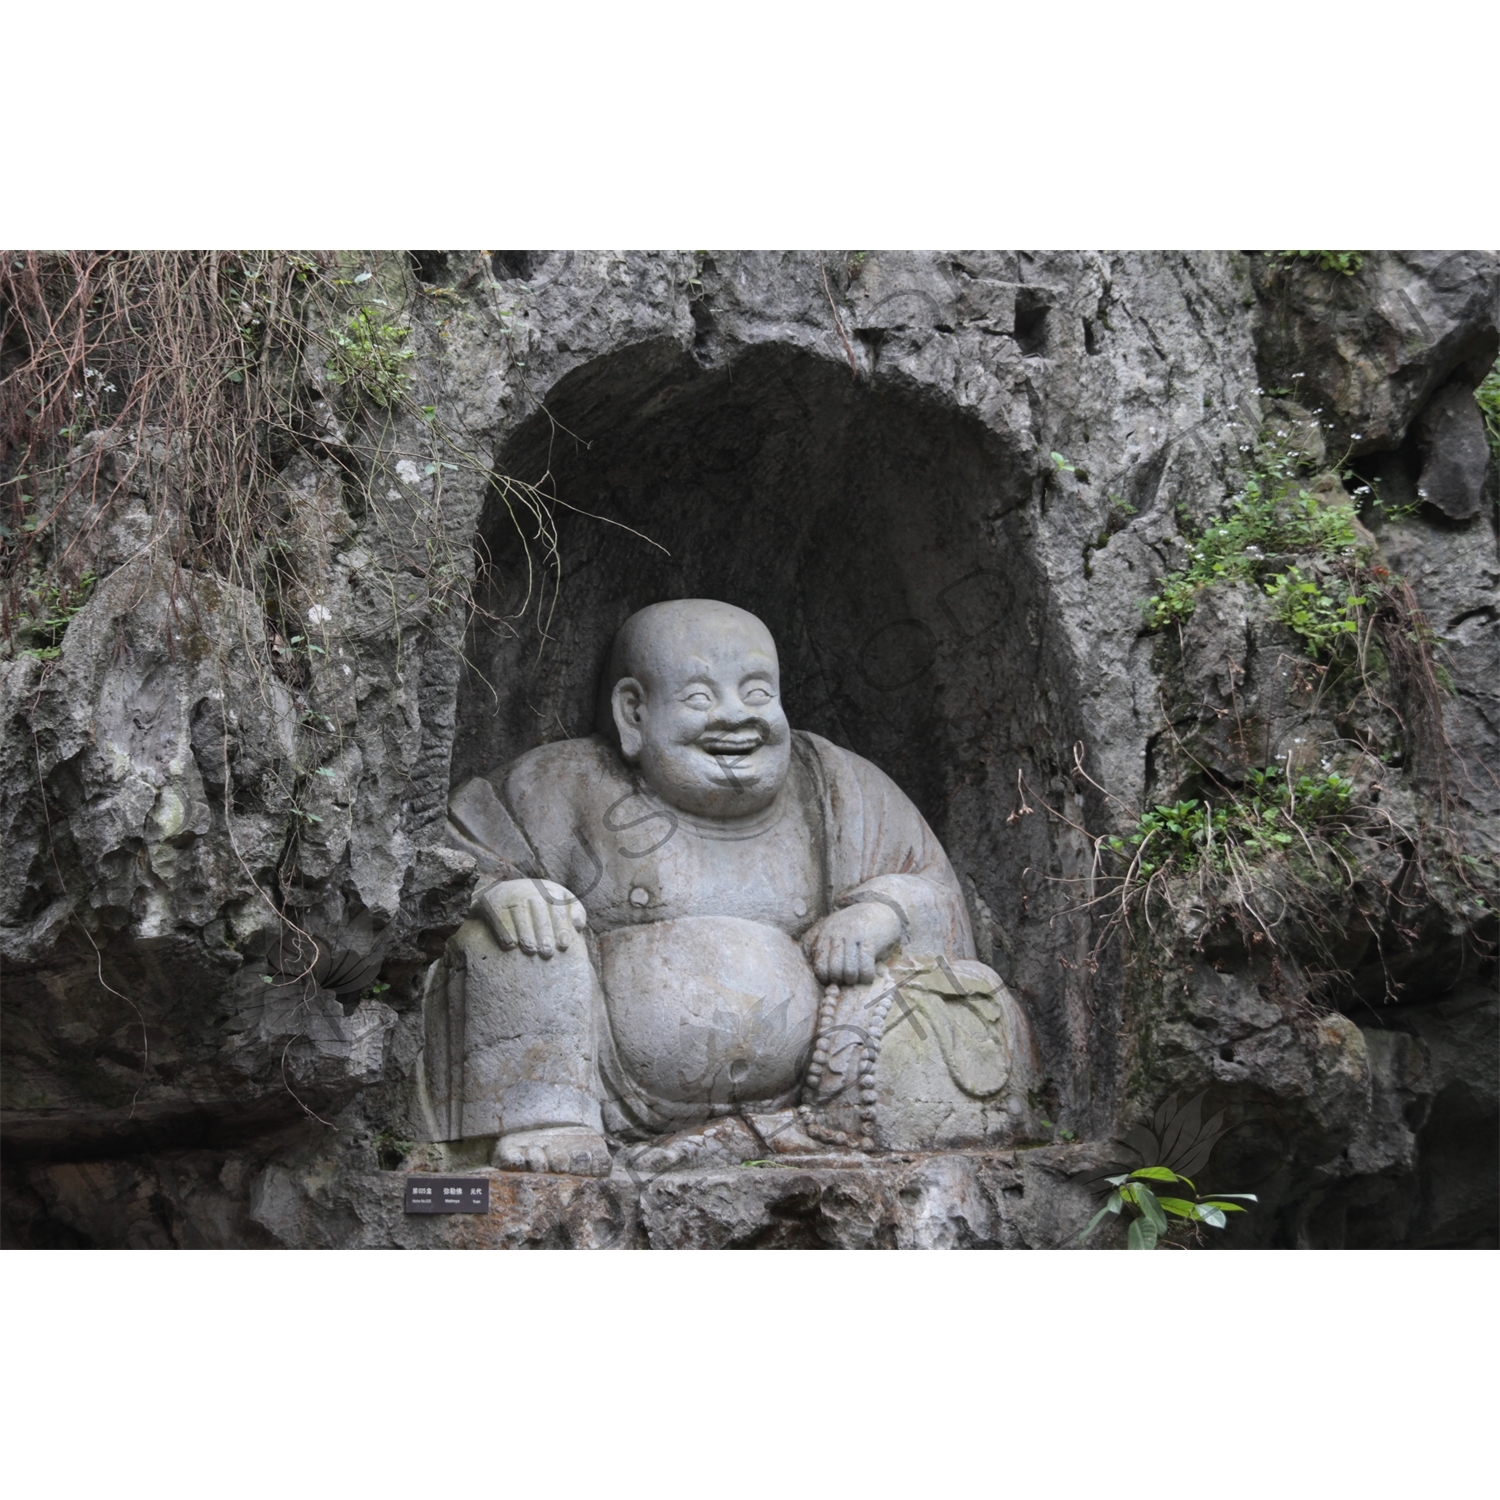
825,960
520,914
541,925
502,924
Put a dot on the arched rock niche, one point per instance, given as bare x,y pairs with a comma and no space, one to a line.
879,534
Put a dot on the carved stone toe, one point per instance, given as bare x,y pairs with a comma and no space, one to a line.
573,1149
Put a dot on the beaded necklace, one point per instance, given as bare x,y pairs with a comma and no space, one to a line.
869,1052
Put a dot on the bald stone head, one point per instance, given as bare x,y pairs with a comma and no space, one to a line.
696,703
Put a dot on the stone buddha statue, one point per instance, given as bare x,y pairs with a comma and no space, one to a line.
701,933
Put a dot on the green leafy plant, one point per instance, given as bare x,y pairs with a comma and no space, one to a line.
392,1150
295,644
367,357
1273,516
52,608
1319,616
1151,1215
1488,397
1175,1143
1344,262
1265,816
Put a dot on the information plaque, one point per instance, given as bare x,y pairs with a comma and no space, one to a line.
426,1194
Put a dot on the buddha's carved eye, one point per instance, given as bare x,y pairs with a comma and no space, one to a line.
698,699
757,694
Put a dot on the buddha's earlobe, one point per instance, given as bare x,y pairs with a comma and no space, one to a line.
627,701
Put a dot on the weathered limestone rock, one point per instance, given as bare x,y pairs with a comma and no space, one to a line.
213,853
1370,350
1456,456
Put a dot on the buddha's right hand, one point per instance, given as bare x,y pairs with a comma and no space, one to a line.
539,917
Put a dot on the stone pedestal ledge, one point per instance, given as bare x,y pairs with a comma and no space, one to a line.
952,1200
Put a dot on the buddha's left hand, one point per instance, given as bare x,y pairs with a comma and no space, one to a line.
846,945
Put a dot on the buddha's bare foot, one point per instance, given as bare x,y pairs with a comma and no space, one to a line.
724,1143
554,1148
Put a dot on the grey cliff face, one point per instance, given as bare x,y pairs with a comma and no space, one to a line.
946,482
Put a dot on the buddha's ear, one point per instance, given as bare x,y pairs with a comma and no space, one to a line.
628,701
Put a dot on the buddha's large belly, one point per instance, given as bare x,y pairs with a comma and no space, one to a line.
709,1009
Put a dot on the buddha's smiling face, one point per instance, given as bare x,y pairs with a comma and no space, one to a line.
700,711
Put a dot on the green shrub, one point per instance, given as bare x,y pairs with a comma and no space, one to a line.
1344,262
1321,618
1264,817
1271,517
48,610
1173,1144
367,356
1149,1220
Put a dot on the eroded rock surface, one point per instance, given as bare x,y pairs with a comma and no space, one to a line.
946,481
941,1201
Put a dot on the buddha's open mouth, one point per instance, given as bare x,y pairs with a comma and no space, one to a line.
730,744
